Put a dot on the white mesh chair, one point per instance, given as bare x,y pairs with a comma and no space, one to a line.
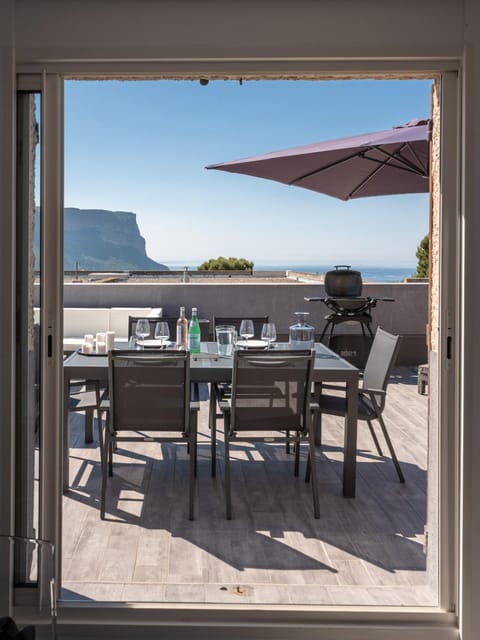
271,394
149,401
373,393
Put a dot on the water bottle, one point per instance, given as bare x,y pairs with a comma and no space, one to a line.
302,335
194,333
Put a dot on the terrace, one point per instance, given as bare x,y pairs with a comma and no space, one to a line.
363,551
369,550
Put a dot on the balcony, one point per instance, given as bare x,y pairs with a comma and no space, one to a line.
369,550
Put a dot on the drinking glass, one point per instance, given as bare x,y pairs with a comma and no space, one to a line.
162,332
269,333
142,330
246,330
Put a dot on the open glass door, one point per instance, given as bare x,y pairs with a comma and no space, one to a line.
30,547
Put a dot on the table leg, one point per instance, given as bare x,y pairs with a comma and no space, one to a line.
89,426
350,440
318,418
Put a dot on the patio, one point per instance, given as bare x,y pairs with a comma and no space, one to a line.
363,551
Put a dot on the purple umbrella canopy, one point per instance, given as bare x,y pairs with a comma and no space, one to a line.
389,162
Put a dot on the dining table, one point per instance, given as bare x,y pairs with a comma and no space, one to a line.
208,366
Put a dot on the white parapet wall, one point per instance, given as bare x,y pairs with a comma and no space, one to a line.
407,315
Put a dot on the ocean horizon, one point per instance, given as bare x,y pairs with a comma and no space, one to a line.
369,273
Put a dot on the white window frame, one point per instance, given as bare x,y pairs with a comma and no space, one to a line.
215,621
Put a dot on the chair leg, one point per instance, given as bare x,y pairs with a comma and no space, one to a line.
313,471
228,496
110,455
193,464
401,477
104,473
375,439
297,456
212,419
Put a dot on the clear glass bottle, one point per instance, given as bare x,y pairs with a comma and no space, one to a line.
302,335
182,330
194,333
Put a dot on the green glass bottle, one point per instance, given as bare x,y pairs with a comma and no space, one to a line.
194,333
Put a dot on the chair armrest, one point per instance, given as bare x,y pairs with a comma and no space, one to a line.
376,392
334,387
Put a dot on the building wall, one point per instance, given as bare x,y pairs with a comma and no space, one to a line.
185,37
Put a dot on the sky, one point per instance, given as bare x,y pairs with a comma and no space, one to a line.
142,146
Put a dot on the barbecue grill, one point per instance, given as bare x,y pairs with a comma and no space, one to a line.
343,287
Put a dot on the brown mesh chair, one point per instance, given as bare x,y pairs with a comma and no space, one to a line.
235,321
224,390
149,401
172,326
373,393
271,394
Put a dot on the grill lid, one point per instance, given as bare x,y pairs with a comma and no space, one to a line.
343,282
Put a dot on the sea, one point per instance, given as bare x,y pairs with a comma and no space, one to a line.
372,274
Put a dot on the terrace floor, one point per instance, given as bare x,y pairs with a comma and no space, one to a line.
362,551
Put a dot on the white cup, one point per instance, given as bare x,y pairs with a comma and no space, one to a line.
226,337
110,340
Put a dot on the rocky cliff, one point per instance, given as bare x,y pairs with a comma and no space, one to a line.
104,240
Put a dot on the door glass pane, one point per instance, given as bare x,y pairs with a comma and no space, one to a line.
28,410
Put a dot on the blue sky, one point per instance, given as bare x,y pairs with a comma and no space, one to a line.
143,147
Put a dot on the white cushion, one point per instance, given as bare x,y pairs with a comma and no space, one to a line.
77,322
155,313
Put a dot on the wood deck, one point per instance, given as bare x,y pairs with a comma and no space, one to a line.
362,551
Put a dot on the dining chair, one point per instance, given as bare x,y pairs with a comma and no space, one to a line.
225,388
270,402
373,393
172,325
235,321
149,400
85,396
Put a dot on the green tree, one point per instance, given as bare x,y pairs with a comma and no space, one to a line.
422,258
226,264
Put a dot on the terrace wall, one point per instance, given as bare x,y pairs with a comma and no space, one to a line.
407,315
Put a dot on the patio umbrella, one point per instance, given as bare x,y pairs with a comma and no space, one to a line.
388,162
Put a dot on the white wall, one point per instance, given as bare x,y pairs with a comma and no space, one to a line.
265,35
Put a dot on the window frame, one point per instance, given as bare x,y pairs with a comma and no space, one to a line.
216,620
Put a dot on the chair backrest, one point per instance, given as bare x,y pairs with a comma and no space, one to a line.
380,361
235,321
271,390
172,325
149,390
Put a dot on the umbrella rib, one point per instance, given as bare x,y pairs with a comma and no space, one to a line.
408,165
405,165
324,168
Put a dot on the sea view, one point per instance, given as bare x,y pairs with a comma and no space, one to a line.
374,274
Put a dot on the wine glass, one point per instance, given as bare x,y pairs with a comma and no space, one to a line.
142,329
162,332
269,333
246,331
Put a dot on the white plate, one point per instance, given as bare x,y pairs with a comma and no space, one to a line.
155,344
252,344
